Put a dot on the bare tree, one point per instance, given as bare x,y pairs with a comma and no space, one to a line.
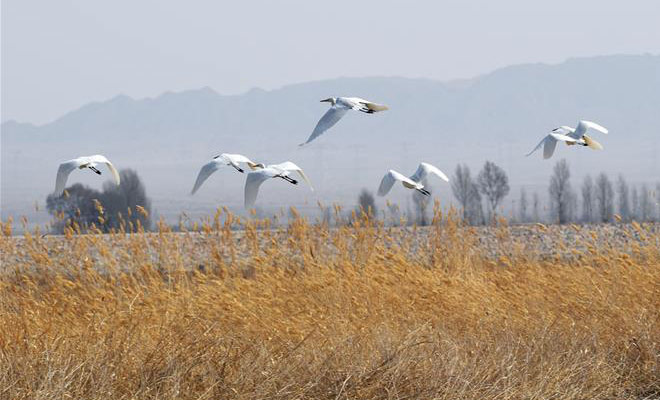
523,206
623,198
367,203
604,198
573,206
646,205
475,209
461,185
561,193
635,212
536,205
493,184
588,208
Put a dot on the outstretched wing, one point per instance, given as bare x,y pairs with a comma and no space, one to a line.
538,146
326,122
549,143
386,184
289,167
550,146
253,182
206,171
63,174
583,126
390,178
424,169
114,172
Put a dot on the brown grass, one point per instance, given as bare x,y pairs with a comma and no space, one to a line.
309,312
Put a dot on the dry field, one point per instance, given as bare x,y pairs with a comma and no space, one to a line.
311,312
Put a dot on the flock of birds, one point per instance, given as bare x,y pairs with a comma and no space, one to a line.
339,107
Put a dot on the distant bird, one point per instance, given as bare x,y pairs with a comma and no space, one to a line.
414,182
570,136
255,179
340,106
218,161
82,162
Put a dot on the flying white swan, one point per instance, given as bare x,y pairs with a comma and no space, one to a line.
414,182
340,106
82,162
570,136
256,178
218,161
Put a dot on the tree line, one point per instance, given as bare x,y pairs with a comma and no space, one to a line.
598,200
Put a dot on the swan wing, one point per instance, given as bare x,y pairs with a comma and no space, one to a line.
392,177
329,119
424,169
538,146
207,170
584,125
253,182
63,173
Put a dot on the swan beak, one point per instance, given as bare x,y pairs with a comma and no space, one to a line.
329,100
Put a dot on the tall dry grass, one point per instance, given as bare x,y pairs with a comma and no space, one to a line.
312,312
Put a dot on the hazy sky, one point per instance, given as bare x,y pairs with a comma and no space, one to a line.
58,55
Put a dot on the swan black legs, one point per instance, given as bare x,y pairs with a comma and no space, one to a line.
290,180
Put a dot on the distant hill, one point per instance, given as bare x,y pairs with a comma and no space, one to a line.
499,116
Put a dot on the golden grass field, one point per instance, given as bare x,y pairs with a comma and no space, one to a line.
306,311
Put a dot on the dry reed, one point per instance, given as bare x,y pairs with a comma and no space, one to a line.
308,311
